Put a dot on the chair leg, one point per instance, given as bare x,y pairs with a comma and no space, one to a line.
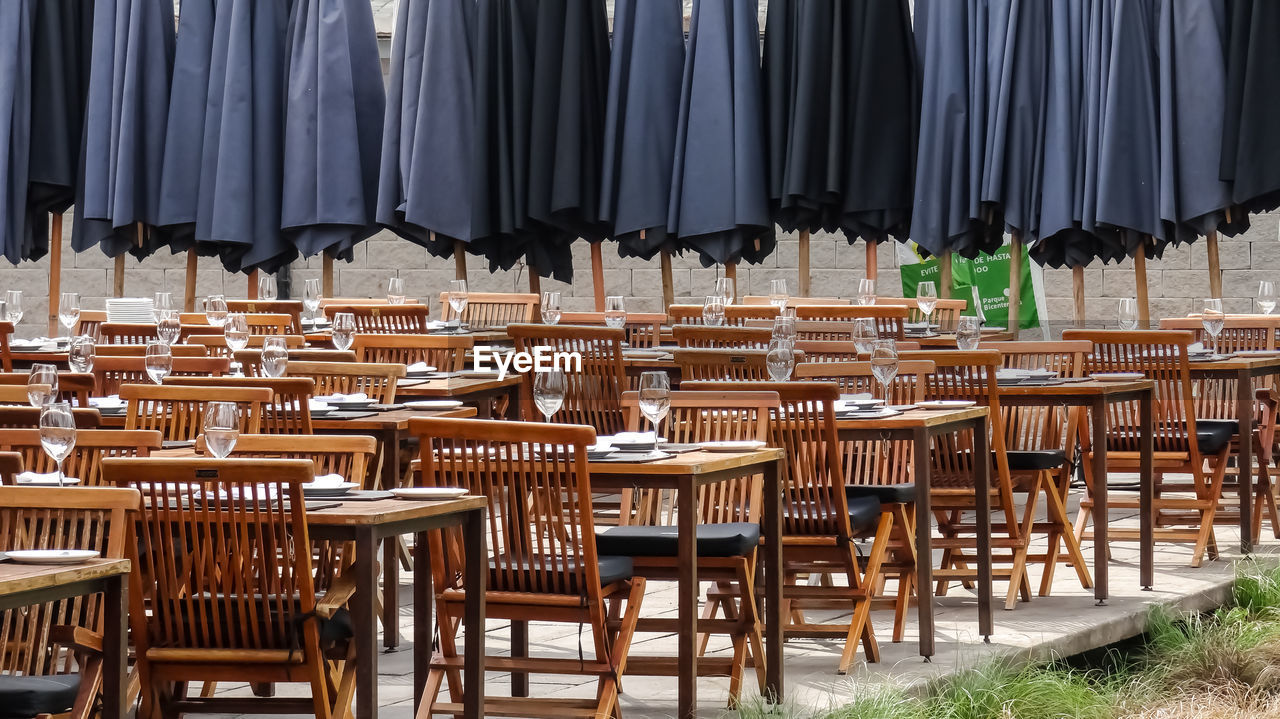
862,607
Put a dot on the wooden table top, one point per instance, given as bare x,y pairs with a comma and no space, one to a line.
455,386
1237,363
390,511
916,418
695,463
1092,388
392,419
16,578
324,337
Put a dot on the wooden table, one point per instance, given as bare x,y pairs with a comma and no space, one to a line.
686,473
920,427
24,585
1096,396
368,523
1243,370
473,390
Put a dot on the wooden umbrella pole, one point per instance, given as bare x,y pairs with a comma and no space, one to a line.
1077,294
535,282
804,268
189,292
459,260
326,276
55,271
1215,266
252,292
668,284
597,275
117,285
944,278
1015,282
1140,278
731,272
873,260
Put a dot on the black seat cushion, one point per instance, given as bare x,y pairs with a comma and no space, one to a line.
1214,434
612,569
731,539
27,697
1026,460
864,514
885,493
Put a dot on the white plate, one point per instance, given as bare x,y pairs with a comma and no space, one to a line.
946,404
434,404
635,446
46,480
874,413
429,493
1117,376
52,556
1257,353
737,445
850,405
327,490
645,354
357,404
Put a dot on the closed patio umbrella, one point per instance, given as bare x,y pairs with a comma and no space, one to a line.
719,191
15,127
333,126
1250,143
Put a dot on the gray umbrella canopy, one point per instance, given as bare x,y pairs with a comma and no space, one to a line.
642,112
127,110
719,190
15,127
424,188
1250,143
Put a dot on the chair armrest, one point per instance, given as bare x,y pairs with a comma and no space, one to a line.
77,638
340,592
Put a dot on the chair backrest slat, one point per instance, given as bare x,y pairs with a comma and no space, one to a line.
287,413
378,381
85,461
177,412
385,319
697,335
447,353
111,373
644,329
489,310
594,393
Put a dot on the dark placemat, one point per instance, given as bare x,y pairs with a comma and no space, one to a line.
348,414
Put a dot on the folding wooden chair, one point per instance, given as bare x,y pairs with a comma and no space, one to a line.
251,360
734,315
289,410
758,300
85,461
447,353
217,344
946,314
89,323
292,308
177,412
385,319
488,310
22,417
177,350
378,381
723,365
690,335
111,373
890,321
644,329
127,333
73,387
594,394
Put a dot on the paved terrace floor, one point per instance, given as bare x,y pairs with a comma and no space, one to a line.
1066,623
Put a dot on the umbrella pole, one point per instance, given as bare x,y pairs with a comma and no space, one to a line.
731,272
535,283
459,260
252,292
803,270
326,275
1077,293
944,265
1215,266
597,275
189,293
668,285
1015,283
55,270
873,260
1140,277
117,286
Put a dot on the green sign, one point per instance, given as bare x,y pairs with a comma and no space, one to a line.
989,274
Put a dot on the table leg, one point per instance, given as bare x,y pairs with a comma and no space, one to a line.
1146,491
115,647
982,507
391,593
1101,547
423,618
921,464
687,590
475,579
1244,457
519,648
365,618
773,581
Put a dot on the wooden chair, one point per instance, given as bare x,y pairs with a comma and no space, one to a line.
10,467
734,315
1183,444
6,354
126,333
723,365
73,387
946,314
890,321
216,345
348,455
721,337
177,412
223,595
447,353
759,300
20,417
288,413
268,324
51,657
1238,333
644,329
177,350
110,373
376,380
594,394
831,351
85,461
90,322
385,319
16,394
820,520
251,360
543,562
326,301
292,308
489,310
728,516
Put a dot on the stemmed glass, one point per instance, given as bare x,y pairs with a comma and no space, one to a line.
778,293
865,334
1266,296
81,353
713,311
866,292
395,291
215,310
13,306
615,312
1213,319
724,288
311,296
159,361
655,399
161,305
236,330
780,360
784,328
884,365
169,327
69,311
1128,313
42,385
57,433
550,307
344,330
549,389
266,288
927,300
221,428
275,356
968,333
458,301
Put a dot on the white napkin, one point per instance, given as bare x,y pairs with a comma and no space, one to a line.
420,367
436,324
328,480
626,438
357,397
314,404
108,402
43,478
1197,348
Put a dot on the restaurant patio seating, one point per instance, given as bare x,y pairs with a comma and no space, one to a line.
288,411
490,310
890,321
840,351
127,333
594,395
22,417
111,373
698,335
73,387
216,345
250,360
177,350
85,460
946,314
798,301
292,308
724,365
734,315
177,412
200,611
447,353
376,380
543,561
51,658
644,329
385,319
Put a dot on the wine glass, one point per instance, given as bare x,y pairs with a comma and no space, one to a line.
1128,314
169,327
778,293
1266,296
159,361
215,310
42,385
69,311
266,287
784,328
57,433
884,364
550,307
724,288
780,360
866,292
927,300
275,356
968,333
221,428
81,352
458,300
395,291
344,330
161,305
865,334
655,399
615,312
549,388
713,311
13,306
1213,319
236,331
311,296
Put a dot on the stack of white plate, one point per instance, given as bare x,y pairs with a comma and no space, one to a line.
130,309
